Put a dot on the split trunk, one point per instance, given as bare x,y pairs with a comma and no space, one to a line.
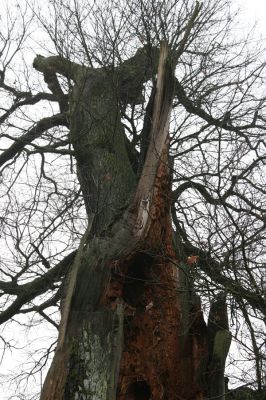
132,326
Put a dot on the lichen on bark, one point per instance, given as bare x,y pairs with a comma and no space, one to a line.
95,358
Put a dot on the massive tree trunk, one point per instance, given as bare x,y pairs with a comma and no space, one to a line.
132,327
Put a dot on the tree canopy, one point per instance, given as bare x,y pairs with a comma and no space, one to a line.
216,151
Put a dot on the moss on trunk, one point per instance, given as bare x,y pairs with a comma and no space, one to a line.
97,135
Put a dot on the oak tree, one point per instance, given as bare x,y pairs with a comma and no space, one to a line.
149,153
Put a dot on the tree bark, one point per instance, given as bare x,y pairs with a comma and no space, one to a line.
132,326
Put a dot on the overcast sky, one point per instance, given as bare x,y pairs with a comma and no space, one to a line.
252,10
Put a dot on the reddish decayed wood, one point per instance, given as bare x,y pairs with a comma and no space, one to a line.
153,366
192,260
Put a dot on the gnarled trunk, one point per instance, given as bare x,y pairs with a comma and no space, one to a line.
132,326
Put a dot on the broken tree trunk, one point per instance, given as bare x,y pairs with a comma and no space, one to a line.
132,327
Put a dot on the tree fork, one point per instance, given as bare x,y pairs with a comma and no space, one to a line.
129,333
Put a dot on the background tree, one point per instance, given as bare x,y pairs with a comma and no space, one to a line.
102,74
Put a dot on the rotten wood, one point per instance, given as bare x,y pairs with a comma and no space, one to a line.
158,141
126,334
